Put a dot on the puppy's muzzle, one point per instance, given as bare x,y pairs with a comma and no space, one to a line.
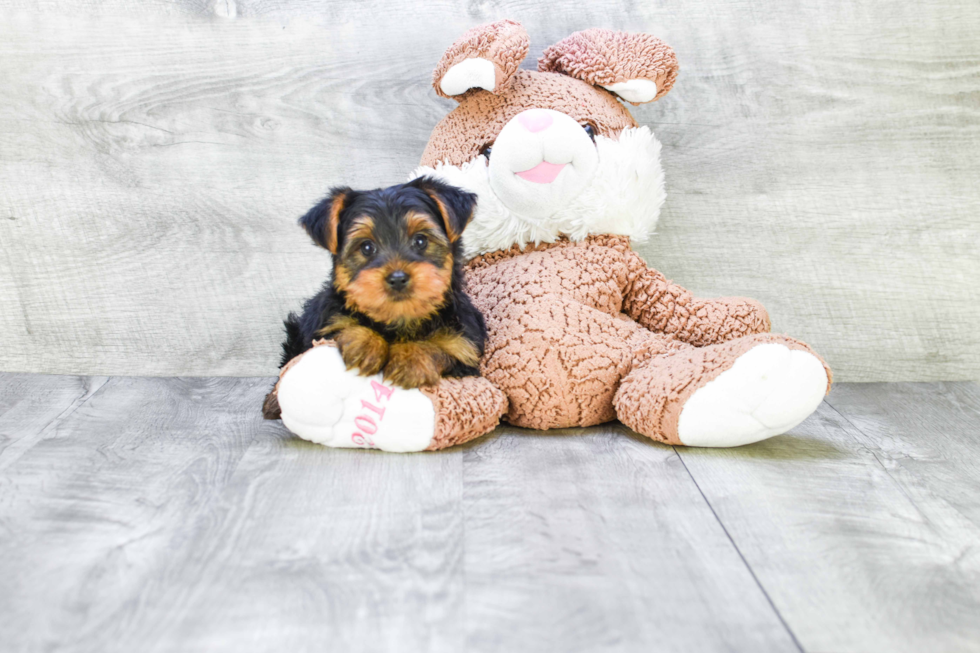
397,280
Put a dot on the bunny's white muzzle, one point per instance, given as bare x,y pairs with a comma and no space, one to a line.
623,195
541,160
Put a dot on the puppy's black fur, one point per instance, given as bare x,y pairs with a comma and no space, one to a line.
337,223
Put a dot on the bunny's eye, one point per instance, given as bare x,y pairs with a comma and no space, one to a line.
485,150
590,130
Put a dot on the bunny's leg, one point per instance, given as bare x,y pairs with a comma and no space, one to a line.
724,395
320,400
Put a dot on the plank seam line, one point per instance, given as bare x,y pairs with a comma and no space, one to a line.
745,562
884,468
23,446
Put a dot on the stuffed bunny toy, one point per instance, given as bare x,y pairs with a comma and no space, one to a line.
581,330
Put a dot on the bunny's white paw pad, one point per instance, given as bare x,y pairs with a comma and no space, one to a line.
323,402
767,391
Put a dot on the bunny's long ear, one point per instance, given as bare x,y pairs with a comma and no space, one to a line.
484,57
638,68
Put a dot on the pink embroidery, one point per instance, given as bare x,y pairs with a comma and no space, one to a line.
367,423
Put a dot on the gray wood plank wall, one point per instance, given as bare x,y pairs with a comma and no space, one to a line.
821,156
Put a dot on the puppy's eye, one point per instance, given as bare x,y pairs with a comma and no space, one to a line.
368,249
420,242
485,150
590,130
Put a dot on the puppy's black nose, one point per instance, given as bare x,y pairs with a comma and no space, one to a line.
397,280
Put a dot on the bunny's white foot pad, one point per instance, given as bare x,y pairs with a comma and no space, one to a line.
767,391
323,402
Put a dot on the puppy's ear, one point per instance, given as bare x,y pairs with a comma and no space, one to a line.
323,220
455,205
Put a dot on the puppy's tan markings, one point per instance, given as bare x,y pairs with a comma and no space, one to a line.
333,221
423,362
361,228
359,346
341,277
414,364
450,230
367,294
421,222
429,285
456,346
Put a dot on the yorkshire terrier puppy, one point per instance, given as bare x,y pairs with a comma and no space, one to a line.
395,302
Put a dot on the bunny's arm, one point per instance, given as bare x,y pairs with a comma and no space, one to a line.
663,306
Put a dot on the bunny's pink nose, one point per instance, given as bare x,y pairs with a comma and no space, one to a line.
534,120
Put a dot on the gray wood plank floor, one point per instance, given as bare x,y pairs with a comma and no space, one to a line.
150,514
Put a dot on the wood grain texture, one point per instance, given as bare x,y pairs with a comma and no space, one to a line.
154,156
319,549
94,516
166,515
33,406
598,540
863,524
928,439
484,548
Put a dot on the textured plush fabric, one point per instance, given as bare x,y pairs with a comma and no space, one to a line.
561,333
660,305
504,44
465,409
480,116
603,57
650,398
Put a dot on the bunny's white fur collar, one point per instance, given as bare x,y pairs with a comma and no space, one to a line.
624,198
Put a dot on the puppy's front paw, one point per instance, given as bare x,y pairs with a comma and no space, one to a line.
414,364
362,348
